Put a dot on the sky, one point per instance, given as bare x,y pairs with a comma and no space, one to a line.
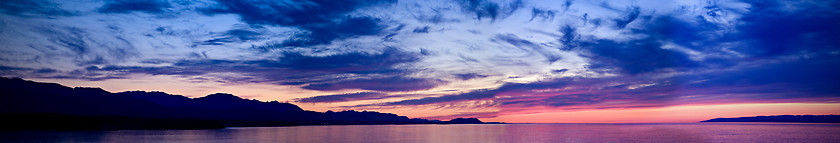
519,61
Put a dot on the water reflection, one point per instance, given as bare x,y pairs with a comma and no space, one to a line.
694,132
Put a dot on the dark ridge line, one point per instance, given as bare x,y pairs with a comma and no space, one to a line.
29,105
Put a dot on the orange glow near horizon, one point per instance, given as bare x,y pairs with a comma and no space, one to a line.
672,114
264,92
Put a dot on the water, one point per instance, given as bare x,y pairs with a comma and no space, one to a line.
528,133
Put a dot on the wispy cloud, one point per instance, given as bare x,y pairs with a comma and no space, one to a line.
324,21
126,6
343,97
35,8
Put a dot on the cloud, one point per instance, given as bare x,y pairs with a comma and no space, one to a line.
572,99
291,13
634,57
560,70
468,76
535,48
56,74
359,63
324,21
631,15
234,36
357,70
424,29
652,42
672,44
479,94
801,81
74,45
472,95
777,28
379,84
543,14
34,8
345,28
668,44
126,6
489,9
342,97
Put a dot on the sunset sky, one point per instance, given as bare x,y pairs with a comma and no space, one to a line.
520,61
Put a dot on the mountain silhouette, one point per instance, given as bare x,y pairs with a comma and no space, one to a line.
782,118
465,121
29,105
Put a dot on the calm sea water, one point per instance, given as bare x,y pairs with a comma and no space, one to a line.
527,133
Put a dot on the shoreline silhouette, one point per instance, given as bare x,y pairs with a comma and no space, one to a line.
29,105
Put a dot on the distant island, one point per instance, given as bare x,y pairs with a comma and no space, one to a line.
783,118
28,105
